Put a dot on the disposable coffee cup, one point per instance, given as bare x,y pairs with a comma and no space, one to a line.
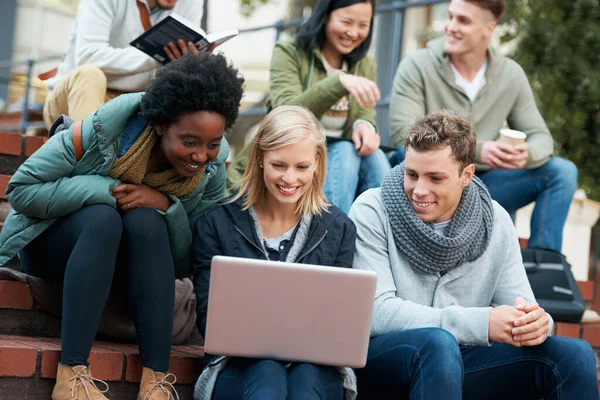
512,137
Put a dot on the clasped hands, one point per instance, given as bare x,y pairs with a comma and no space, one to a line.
129,197
525,324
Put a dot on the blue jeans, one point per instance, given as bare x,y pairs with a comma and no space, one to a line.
551,186
250,379
348,174
83,251
428,363
398,156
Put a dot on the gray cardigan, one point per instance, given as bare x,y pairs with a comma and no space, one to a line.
459,301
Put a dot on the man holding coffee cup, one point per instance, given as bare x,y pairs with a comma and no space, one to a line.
463,73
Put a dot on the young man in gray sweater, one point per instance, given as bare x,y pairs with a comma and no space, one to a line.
454,314
463,73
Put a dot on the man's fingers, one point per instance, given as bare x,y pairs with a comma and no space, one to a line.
533,316
193,48
183,46
174,50
541,331
169,53
529,307
538,337
520,303
507,148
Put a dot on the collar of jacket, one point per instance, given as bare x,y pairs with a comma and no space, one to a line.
319,226
442,61
110,120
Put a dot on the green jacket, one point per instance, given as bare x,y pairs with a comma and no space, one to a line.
424,83
51,184
291,84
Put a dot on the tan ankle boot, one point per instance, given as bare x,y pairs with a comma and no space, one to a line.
76,383
157,386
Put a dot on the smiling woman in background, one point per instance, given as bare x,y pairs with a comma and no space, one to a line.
326,69
152,162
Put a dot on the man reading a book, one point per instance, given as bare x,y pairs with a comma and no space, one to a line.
99,63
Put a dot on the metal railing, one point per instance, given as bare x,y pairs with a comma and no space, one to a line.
390,25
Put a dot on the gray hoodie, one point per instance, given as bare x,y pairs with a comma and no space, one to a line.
459,301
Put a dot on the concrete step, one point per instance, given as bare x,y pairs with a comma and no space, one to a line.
28,367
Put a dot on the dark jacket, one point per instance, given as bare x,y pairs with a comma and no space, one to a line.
229,231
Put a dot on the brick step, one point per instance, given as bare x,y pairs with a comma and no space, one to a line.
28,367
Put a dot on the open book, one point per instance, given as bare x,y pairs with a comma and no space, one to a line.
172,28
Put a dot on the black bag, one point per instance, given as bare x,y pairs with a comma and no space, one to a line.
553,284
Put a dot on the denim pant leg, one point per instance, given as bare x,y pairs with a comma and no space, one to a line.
252,379
398,157
311,382
341,182
551,186
373,169
413,364
559,368
151,284
80,251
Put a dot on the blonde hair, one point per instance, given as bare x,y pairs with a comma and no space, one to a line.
284,126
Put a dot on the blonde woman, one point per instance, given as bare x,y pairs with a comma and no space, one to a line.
280,213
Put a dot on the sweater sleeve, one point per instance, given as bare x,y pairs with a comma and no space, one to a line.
407,102
286,86
513,281
526,117
391,311
92,44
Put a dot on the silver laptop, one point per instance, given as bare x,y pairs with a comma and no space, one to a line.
292,312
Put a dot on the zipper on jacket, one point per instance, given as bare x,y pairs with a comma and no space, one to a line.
312,248
252,243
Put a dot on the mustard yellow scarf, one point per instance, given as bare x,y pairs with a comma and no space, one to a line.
131,168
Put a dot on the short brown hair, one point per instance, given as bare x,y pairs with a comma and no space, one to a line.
444,128
497,7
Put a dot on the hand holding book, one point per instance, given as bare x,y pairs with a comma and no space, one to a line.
175,36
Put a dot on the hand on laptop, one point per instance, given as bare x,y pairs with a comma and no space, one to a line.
532,328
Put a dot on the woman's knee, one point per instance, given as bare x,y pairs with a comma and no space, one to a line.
101,220
145,225
343,157
315,381
266,379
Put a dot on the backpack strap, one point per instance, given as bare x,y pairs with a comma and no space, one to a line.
77,141
144,17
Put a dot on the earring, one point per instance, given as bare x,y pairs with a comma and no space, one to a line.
260,165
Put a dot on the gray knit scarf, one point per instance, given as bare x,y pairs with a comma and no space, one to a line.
467,237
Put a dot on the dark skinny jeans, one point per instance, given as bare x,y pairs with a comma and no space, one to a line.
84,251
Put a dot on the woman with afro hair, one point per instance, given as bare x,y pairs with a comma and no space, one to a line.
152,162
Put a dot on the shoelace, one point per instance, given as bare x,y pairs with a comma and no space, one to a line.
165,386
79,379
